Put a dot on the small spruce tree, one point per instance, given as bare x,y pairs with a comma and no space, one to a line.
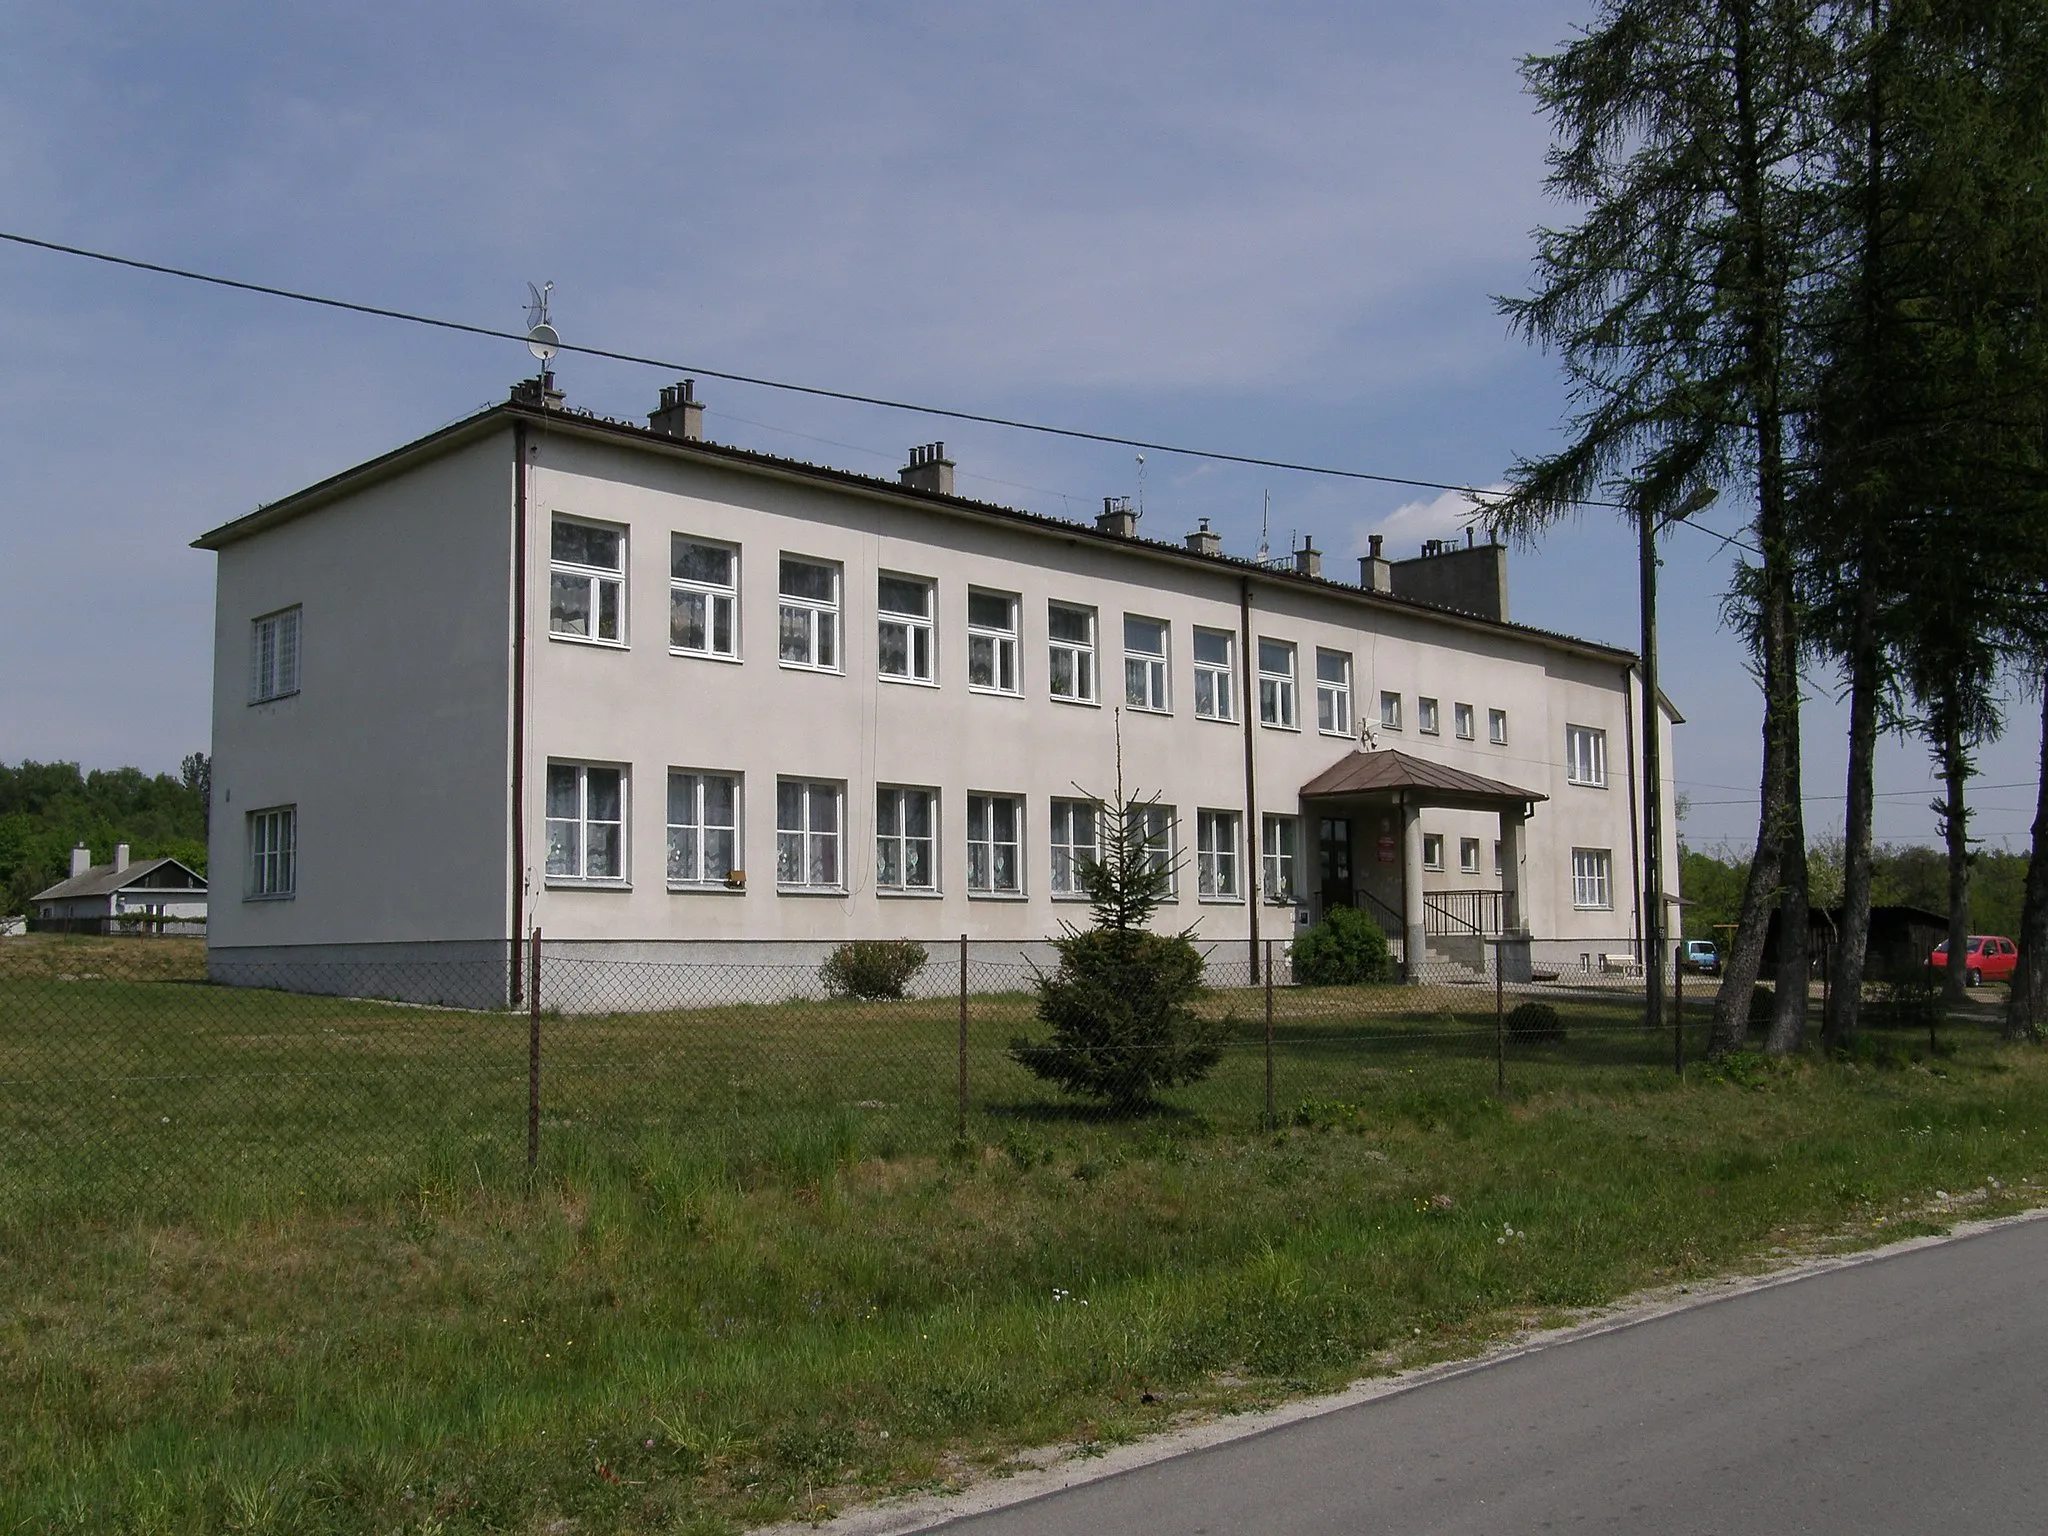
1119,1003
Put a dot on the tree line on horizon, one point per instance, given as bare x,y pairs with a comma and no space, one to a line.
48,808
1809,272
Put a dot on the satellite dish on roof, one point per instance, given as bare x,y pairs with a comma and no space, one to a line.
542,339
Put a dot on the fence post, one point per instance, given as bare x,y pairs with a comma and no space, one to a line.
533,1053
963,1037
1678,1017
1272,1120
1500,1026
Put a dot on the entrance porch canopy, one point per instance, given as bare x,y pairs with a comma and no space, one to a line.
1413,784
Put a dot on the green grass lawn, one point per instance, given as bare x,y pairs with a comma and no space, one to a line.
271,1262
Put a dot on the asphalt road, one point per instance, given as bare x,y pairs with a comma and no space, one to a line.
1902,1395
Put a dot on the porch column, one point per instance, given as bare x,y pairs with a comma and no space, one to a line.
1412,951
1512,821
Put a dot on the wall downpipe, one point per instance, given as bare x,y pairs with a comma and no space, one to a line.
1254,844
518,704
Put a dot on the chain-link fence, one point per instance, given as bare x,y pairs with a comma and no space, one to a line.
131,1083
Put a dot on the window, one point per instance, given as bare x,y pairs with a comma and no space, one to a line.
903,628
274,656
1073,845
1276,683
1497,866
1333,693
1426,719
1468,855
703,828
992,642
1281,842
906,839
1461,718
1585,754
809,614
1390,711
1590,884
1497,727
703,598
586,822
587,582
1216,855
273,853
807,836
1432,850
1215,651
1155,828
1070,644
995,863
1145,663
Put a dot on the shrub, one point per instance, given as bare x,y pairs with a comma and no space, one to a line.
1345,949
1535,1022
872,968
1763,1002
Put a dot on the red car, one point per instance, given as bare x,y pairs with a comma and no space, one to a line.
1990,959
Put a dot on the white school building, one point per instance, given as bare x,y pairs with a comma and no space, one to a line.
656,695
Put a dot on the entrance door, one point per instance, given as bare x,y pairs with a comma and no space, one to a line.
1333,847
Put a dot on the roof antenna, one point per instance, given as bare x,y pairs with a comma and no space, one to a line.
542,339
1141,487
1265,547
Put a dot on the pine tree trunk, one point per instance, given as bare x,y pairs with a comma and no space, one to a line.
1852,949
2023,1009
1795,932
1955,769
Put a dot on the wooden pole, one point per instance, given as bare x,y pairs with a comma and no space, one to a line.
533,1053
1272,1121
963,1037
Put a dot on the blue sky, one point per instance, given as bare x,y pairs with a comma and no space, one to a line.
1272,231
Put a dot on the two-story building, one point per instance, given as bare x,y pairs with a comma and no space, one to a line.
654,694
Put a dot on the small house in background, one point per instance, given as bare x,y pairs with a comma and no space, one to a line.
1901,939
152,896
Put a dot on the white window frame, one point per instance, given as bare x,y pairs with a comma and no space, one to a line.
818,618
1461,721
896,844
274,655
701,871
1068,850
1280,850
809,837
595,580
1585,755
1468,855
1153,692
916,630
1390,710
1277,684
1215,678
272,872
1428,717
1333,693
1078,654
1593,879
985,847
581,819
999,646
1161,827
718,600
1433,852
1219,855
1497,727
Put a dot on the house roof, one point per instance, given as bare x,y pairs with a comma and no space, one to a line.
499,417
104,880
1365,773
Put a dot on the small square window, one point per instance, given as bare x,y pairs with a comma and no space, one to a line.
587,581
1390,711
1468,855
1426,720
1461,719
1433,850
1497,727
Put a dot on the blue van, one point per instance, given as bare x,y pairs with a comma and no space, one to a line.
1699,956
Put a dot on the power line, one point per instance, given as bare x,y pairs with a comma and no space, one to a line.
1074,434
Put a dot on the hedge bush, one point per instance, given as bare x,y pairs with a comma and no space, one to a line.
872,968
1345,949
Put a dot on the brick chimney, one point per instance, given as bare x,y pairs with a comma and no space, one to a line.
539,391
1375,570
681,414
81,860
1118,518
120,857
1204,542
928,470
1308,560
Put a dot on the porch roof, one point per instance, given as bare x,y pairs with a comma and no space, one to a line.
1389,770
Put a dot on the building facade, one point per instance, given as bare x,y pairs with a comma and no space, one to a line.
542,669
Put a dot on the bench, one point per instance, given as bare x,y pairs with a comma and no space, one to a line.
1620,965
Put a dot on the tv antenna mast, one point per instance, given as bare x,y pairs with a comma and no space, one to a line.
542,339
1141,487
1265,547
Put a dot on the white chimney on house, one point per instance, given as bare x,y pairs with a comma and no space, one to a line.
81,860
1205,540
928,470
120,857
681,413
